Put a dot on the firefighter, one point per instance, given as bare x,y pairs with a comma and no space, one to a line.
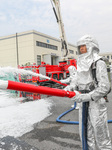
72,78
93,125
73,74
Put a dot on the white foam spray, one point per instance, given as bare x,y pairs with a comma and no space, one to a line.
17,118
4,70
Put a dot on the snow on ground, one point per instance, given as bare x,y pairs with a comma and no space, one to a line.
17,118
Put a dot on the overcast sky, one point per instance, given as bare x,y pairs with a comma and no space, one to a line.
80,17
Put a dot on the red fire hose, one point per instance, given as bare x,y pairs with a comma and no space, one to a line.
18,86
58,82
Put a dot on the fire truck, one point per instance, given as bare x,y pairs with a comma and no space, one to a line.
57,72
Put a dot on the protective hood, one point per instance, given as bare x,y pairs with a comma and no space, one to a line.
72,70
85,60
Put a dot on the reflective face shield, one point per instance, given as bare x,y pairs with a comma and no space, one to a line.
89,41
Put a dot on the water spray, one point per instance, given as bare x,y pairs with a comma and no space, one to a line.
26,72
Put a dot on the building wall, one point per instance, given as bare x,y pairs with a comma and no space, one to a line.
25,48
28,48
38,50
43,51
8,49
107,55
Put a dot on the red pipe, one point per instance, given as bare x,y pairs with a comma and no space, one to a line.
58,82
18,86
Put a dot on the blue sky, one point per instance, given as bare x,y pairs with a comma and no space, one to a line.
80,17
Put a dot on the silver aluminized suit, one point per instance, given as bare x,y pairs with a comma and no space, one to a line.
97,127
72,78
73,75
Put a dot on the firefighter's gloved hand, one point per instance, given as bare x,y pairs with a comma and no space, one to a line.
75,97
62,81
81,97
67,88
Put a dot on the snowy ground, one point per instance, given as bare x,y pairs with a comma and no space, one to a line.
17,118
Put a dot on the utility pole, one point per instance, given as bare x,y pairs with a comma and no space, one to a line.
17,50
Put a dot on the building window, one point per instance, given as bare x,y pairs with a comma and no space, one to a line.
108,57
71,51
38,59
111,56
41,44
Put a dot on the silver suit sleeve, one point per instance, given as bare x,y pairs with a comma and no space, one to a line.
103,81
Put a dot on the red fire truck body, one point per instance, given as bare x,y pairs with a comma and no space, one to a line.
57,72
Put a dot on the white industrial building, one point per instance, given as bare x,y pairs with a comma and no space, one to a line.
31,47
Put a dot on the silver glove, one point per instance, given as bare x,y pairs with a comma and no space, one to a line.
62,81
67,88
81,97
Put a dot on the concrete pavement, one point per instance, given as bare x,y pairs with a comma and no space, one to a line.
51,135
